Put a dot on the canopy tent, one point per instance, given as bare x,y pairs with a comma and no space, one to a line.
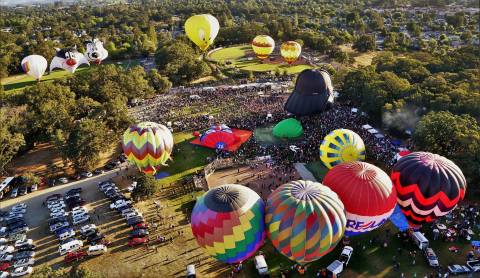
288,128
373,131
379,136
354,110
367,126
399,220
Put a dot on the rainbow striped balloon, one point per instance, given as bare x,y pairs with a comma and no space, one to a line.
147,145
228,221
305,220
341,145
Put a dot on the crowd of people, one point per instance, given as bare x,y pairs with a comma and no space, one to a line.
258,105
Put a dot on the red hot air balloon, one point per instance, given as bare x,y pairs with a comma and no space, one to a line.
218,137
366,191
428,186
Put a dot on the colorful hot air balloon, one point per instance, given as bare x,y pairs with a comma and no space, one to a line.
228,221
218,137
305,220
341,145
290,51
202,30
428,186
147,145
35,66
366,191
263,46
95,52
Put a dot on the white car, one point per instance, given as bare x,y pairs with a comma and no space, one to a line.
34,187
474,265
63,180
431,257
57,214
87,228
18,210
79,213
19,206
97,250
79,209
3,240
14,192
6,249
129,210
4,274
20,243
6,258
24,262
86,174
132,187
21,271
346,255
119,203
81,219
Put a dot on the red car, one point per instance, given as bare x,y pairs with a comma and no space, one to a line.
74,256
140,226
137,241
4,266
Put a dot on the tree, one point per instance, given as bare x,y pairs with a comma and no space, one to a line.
75,272
466,37
146,186
159,83
365,43
10,140
31,178
85,143
414,29
453,136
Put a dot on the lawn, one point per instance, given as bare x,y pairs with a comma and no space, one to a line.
16,83
241,57
187,158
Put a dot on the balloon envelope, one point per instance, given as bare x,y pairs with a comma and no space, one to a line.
218,137
288,128
367,193
428,186
147,145
228,221
95,52
341,145
313,93
305,220
290,51
263,46
68,59
34,65
202,29
399,220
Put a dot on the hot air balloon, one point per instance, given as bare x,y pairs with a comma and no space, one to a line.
305,220
68,59
95,52
218,137
288,128
341,145
263,46
313,93
147,145
428,186
228,221
290,51
34,65
366,191
202,29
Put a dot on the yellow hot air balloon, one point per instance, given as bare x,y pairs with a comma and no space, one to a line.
263,46
341,145
290,51
202,29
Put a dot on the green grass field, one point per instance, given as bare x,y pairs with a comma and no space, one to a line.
237,56
16,83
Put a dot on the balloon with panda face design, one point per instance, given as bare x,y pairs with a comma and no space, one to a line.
95,52
68,59
202,30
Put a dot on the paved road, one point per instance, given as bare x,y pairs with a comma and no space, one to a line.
37,213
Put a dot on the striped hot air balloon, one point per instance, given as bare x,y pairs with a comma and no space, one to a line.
341,145
148,145
263,46
428,186
290,51
305,220
228,221
366,191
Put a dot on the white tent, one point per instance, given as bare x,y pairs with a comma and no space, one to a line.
354,110
367,126
379,136
372,131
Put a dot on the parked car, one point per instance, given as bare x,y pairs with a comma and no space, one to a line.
86,174
141,226
119,204
59,225
458,269
96,237
4,266
97,250
4,274
19,206
74,256
22,191
65,233
23,255
70,246
134,221
6,249
24,262
137,241
17,237
431,257
3,240
21,271
132,186
33,188
98,171
14,193
138,233
20,243
81,219
6,258
474,265
29,247
87,228
63,180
